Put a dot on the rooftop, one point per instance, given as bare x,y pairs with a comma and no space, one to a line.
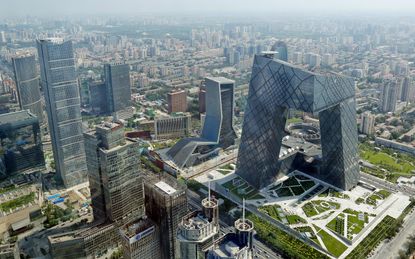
12,117
221,80
165,187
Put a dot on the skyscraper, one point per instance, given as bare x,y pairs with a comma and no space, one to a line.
27,82
276,87
177,101
367,125
407,89
117,191
281,48
198,229
118,89
58,77
20,143
217,132
389,96
166,205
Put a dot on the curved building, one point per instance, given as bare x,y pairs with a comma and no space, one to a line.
27,82
277,86
217,133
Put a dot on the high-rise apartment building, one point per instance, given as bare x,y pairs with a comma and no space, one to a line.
117,191
276,87
166,205
407,91
177,101
118,87
20,142
367,125
58,77
27,83
389,96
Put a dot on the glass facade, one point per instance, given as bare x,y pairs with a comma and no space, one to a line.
27,82
276,87
58,77
20,142
117,80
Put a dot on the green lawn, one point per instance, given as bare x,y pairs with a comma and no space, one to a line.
396,165
378,234
289,246
242,189
313,208
23,200
271,210
333,245
337,224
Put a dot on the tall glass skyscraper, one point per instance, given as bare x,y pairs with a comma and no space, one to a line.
58,78
27,82
118,90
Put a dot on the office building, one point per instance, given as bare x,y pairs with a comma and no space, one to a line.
20,142
282,51
367,125
27,83
97,97
407,91
177,101
58,76
118,88
278,86
117,192
177,126
198,229
202,99
2,37
141,239
389,96
166,205
217,133
88,242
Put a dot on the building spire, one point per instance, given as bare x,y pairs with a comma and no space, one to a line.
209,191
243,210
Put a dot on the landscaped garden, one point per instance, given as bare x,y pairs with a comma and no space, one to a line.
286,244
374,198
242,189
333,193
333,245
314,208
356,221
276,212
293,186
18,202
390,164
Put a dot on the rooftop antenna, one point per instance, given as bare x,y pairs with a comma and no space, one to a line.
243,211
209,191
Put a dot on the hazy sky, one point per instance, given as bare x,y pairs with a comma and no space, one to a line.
45,7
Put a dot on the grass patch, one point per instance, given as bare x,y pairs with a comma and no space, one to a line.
313,208
242,189
284,243
18,202
333,245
